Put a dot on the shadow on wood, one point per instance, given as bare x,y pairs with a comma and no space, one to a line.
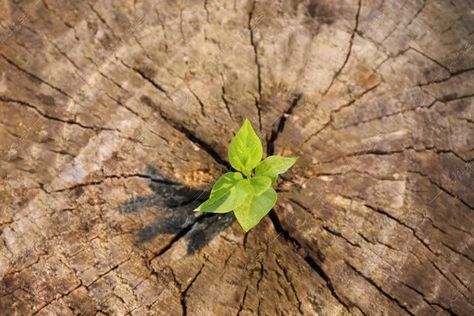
178,217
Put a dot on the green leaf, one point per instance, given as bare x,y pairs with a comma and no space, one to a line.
260,184
225,183
245,149
251,212
226,195
274,165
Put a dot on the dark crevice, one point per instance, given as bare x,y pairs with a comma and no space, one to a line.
262,271
47,116
103,74
397,25
185,291
101,19
466,120
430,58
316,268
340,235
339,109
457,252
258,288
427,301
376,242
152,178
450,98
349,51
357,172
142,47
120,103
187,133
150,80
114,268
331,114
257,63
281,124
56,298
224,98
178,126
60,18
147,78
383,212
180,235
453,74
207,10
304,207
466,286
61,152
207,147
337,73
36,77
65,55
372,282
447,279
465,203
379,152
242,303
292,286
181,30
377,118
417,13
201,104
280,231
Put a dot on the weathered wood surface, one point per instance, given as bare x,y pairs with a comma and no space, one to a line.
115,117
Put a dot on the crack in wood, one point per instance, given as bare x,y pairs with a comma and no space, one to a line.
457,252
308,259
57,119
427,300
329,284
147,78
257,63
224,97
152,178
441,272
37,78
184,293
349,51
455,196
331,113
281,124
242,302
201,104
183,232
379,288
209,149
452,75
101,19
292,286
378,152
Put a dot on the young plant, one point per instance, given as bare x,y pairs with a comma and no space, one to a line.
249,191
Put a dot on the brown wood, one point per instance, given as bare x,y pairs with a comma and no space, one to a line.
115,119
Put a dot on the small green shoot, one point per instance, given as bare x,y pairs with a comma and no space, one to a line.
249,191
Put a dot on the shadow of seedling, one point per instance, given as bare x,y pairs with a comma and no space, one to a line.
176,203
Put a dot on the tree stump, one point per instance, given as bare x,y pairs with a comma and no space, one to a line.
115,120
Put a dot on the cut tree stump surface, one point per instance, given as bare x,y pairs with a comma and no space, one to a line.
115,120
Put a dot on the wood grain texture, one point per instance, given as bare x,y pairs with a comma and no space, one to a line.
114,122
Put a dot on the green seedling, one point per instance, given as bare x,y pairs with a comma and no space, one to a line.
248,192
